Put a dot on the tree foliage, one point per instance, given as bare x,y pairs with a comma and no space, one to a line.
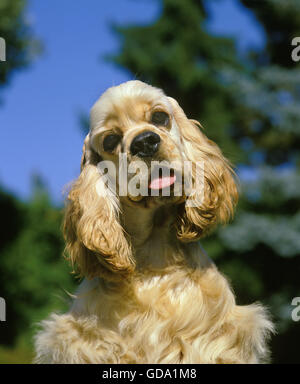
34,276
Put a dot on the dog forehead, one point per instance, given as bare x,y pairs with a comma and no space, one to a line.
127,110
127,101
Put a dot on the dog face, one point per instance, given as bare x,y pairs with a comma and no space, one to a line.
137,120
140,122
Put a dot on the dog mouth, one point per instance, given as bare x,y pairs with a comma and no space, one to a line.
163,180
161,186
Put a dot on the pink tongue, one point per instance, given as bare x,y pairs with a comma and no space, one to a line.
162,182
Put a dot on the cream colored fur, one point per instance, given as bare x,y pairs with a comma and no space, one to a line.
150,293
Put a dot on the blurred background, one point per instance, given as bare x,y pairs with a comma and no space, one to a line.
229,64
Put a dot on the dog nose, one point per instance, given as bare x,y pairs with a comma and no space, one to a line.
145,144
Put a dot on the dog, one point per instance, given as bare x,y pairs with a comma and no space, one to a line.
150,294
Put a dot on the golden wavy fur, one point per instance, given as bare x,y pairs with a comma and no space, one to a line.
150,293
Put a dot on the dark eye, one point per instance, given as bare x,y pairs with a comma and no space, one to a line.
160,118
110,142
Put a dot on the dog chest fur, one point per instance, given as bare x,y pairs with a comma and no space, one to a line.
174,317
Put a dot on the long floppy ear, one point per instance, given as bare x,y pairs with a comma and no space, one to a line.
218,196
95,240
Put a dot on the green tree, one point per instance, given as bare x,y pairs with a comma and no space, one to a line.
250,107
34,276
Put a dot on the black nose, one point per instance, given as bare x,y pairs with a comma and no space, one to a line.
145,144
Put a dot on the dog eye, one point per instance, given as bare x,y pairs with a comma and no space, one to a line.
160,118
110,142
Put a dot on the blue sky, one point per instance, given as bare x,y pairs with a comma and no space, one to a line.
39,120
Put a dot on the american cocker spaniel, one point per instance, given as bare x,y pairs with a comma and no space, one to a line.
151,185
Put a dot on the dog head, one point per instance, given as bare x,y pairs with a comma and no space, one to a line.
142,151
